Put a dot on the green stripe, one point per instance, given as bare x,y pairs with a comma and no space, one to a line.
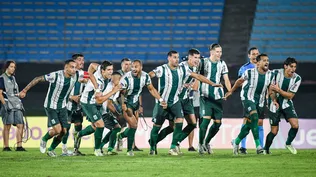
51,91
90,94
174,88
213,79
135,90
63,92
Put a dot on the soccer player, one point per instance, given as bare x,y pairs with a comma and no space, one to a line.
103,74
132,85
253,94
12,107
211,98
75,114
61,84
110,114
170,79
286,85
253,52
125,67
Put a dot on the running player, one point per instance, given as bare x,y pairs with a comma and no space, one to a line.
211,101
286,85
253,94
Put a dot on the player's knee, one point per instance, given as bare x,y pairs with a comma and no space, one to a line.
274,131
260,122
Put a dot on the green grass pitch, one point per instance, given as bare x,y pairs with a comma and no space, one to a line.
221,163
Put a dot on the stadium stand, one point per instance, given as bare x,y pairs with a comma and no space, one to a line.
40,31
285,28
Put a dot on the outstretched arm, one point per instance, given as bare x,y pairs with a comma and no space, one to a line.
205,80
36,80
237,84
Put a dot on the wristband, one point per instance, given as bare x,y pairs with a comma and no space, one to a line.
97,90
160,100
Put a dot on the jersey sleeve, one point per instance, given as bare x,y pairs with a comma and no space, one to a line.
224,68
124,83
296,85
241,71
245,76
158,71
51,77
148,80
81,75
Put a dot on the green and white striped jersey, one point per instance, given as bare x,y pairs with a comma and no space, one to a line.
88,96
286,84
212,71
188,81
59,88
255,86
77,90
134,85
108,89
170,82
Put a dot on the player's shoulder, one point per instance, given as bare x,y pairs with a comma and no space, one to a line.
297,76
144,73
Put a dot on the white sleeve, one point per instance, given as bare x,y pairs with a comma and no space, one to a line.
50,77
224,68
296,85
158,71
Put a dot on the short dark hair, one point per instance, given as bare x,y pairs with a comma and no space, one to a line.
213,46
171,52
139,61
251,49
116,73
258,58
68,61
76,55
7,64
193,51
125,59
289,61
105,64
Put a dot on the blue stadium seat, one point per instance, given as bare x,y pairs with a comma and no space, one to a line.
40,31
285,28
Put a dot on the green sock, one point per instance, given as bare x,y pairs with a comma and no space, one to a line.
153,137
87,131
78,128
243,133
203,129
269,140
164,132
176,135
130,138
291,135
65,137
46,137
98,137
125,133
112,140
54,144
212,132
254,128
186,131
106,139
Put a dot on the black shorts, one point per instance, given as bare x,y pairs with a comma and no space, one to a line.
75,116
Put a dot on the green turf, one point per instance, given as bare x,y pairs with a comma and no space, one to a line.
222,163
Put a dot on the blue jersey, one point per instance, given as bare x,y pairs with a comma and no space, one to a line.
245,67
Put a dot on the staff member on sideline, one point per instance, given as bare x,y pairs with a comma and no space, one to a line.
11,109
